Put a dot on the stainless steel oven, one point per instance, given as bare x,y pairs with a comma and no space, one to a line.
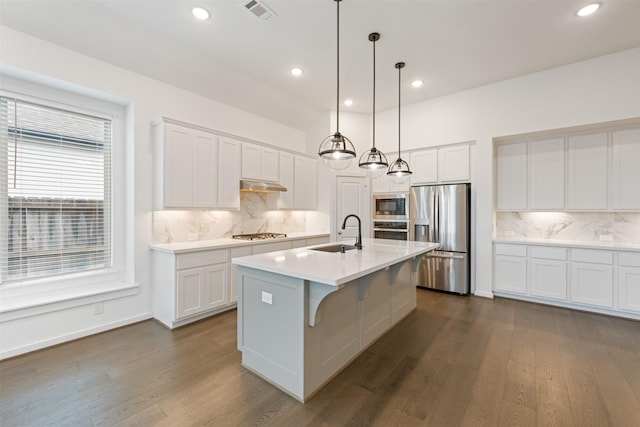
394,230
390,206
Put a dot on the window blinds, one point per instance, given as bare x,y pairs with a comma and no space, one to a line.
55,191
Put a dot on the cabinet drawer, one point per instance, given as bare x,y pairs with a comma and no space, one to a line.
197,259
630,259
592,256
548,253
271,247
512,250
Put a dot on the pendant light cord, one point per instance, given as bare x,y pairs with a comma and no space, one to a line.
338,68
399,86
374,94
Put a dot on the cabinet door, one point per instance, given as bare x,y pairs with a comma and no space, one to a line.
205,170
306,186
268,164
228,174
190,292
217,285
511,176
178,167
629,288
548,278
546,174
250,161
510,274
587,172
285,178
592,284
424,165
233,282
453,163
625,172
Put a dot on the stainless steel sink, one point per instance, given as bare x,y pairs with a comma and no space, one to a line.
334,248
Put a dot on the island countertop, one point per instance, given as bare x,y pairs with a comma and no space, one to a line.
336,268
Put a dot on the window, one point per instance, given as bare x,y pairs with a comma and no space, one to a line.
55,190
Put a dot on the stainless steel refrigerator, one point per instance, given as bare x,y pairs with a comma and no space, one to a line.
441,213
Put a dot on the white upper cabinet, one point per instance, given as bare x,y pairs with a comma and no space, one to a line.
546,174
229,173
453,163
185,167
424,165
306,185
625,170
511,176
287,180
259,162
587,172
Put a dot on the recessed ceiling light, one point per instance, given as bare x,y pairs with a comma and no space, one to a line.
417,83
201,13
348,102
296,71
589,9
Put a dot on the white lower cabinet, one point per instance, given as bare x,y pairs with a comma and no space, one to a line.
606,281
233,283
201,289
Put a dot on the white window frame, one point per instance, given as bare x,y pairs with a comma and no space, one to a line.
41,295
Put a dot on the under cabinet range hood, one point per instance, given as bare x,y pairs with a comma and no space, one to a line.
253,185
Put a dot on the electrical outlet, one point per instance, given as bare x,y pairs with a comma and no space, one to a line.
267,297
606,237
98,308
192,236
509,233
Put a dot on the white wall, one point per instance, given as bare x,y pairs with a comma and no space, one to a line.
148,99
597,90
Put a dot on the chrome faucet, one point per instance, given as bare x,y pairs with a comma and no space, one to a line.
359,238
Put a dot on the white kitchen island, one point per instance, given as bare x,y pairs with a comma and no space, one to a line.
304,315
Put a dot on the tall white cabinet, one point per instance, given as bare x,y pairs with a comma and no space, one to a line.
587,168
546,174
625,169
511,173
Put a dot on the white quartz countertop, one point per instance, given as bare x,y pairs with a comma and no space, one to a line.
203,245
337,268
615,246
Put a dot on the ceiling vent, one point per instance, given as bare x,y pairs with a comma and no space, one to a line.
259,9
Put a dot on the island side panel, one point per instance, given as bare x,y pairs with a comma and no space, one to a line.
271,319
403,291
375,300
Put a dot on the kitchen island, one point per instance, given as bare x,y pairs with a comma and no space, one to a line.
305,314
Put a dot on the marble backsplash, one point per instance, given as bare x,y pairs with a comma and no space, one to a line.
621,227
255,216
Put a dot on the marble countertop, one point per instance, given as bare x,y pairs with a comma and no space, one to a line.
203,245
616,246
336,268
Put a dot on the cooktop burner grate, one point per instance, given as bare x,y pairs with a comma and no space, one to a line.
259,236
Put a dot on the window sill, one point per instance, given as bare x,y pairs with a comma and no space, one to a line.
25,300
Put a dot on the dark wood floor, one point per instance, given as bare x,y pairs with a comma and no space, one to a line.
454,361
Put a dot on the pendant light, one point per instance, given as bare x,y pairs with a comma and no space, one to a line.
374,162
399,170
337,151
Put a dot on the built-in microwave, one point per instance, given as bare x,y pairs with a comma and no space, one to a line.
391,206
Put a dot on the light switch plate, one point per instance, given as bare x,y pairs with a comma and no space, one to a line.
606,237
509,233
192,236
267,297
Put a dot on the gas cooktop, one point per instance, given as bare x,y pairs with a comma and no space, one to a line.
259,236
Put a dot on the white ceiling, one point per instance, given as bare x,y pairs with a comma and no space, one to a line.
239,60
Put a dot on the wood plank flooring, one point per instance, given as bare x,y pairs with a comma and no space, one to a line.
455,361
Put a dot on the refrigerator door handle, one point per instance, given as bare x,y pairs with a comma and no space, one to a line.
444,255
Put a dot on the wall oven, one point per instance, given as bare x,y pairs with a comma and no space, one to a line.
390,206
394,230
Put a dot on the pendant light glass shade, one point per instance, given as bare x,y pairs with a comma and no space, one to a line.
374,162
399,171
337,151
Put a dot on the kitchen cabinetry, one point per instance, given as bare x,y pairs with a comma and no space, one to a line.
287,180
305,191
424,164
625,171
185,167
511,176
546,174
259,162
453,163
229,173
605,281
510,270
233,284
548,272
587,168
